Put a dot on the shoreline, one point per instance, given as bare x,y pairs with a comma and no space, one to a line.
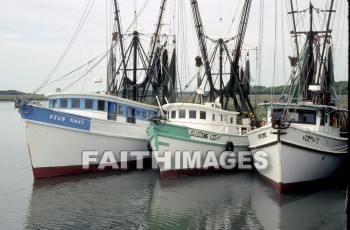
255,99
12,97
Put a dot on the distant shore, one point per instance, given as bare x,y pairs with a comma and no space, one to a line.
267,98
30,97
255,99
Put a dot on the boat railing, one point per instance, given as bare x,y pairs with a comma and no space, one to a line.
243,129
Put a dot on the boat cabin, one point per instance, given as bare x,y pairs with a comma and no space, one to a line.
208,117
103,107
318,118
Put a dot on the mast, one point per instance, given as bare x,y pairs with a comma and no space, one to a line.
201,39
153,55
120,34
309,60
326,37
220,73
294,27
235,86
135,42
310,69
157,31
135,54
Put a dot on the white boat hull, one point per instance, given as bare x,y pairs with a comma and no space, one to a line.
57,150
295,156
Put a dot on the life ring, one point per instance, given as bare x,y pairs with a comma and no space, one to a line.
230,146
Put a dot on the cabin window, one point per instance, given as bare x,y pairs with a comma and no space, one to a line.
192,114
131,116
202,115
138,113
75,103
182,113
101,105
144,114
130,112
120,110
88,103
303,116
63,103
221,118
231,120
213,117
309,117
173,114
297,116
54,103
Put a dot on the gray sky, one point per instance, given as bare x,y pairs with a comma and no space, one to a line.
35,33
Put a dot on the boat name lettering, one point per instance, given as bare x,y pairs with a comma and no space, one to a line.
63,119
205,135
57,118
215,137
262,135
76,121
311,139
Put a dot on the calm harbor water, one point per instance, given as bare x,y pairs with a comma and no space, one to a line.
138,200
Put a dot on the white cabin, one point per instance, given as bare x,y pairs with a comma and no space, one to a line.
209,117
316,118
103,106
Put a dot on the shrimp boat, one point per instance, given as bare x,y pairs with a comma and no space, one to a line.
73,123
192,138
198,131
115,121
305,139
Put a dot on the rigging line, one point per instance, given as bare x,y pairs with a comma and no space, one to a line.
107,32
289,26
82,90
338,24
184,58
274,52
261,33
87,63
79,27
138,15
283,53
342,33
320,19
85,74
233,19
251,47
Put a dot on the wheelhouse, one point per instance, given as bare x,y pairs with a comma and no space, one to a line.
103,107
209,115
325,119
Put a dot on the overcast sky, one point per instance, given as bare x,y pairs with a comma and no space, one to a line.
35,33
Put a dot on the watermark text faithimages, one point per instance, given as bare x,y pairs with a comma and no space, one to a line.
175,160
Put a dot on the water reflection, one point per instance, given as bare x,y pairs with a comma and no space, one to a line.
138,200
317,209
100,200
